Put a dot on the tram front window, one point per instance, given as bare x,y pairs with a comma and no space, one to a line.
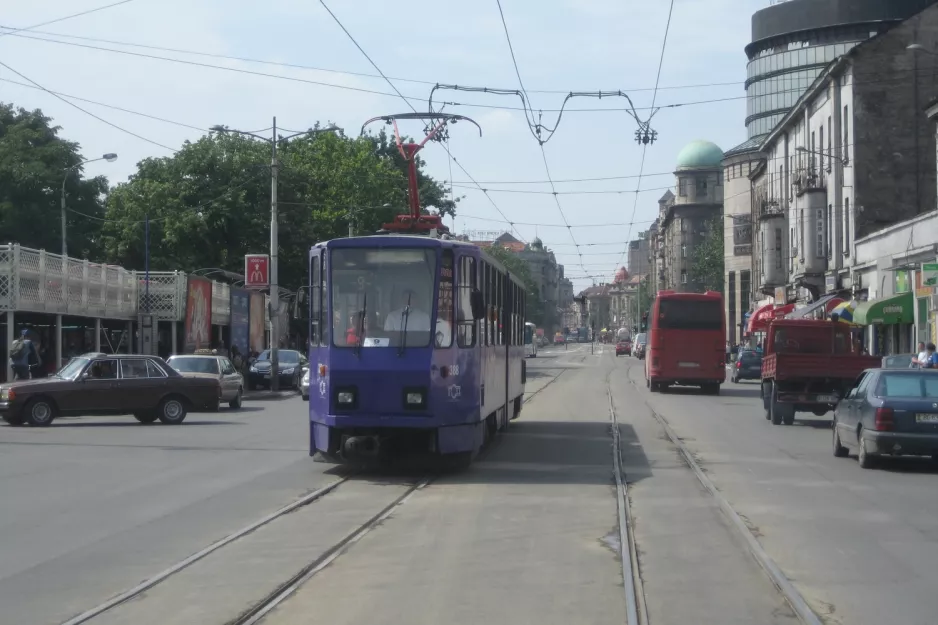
371,290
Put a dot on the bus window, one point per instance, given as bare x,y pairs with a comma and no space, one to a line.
683,315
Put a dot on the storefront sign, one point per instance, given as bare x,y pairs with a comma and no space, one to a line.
902,282
929,274
781,295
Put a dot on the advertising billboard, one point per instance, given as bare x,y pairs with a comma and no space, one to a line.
198,314
240,320
257,322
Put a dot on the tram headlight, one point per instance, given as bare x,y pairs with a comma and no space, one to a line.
346,398
414,399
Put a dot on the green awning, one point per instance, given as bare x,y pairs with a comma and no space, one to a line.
886,311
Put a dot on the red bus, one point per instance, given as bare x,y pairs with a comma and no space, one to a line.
687,341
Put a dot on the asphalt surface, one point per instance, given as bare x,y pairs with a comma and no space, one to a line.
93,506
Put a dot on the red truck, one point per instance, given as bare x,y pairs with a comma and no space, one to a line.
808,366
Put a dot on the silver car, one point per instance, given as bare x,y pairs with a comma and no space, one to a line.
206,364
304,384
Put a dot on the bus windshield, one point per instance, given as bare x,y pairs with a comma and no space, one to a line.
690,315
371,290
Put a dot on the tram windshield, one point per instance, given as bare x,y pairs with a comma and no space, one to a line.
371,290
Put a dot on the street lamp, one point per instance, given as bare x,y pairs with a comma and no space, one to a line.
804,150
110,157
274,238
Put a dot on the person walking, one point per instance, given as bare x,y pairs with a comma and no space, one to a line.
20,352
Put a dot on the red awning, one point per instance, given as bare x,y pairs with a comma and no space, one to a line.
759,320
834,303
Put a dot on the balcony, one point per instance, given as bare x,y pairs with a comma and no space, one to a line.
770,209
808,179
37,281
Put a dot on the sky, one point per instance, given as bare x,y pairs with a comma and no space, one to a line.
560,46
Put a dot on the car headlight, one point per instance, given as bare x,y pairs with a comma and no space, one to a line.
287,371
4,394
253,369
346,397
306,378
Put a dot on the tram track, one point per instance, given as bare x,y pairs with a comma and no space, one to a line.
768,565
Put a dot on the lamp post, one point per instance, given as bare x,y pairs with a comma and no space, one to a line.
110,157
274,238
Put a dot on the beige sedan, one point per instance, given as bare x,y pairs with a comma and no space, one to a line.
213,366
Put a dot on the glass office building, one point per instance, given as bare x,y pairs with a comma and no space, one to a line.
792,42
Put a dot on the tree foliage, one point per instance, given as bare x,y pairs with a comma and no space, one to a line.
707,267
536,312
33,163
209,204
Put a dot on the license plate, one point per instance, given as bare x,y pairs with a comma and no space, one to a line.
925,417
829,399
688,364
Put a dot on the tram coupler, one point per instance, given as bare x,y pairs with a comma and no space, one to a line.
359,446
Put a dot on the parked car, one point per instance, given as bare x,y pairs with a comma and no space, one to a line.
747,366
888,412
290,364
109,384
624,347
638,350
210,364
898,361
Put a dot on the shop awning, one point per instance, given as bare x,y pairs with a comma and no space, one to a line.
826,303
886,311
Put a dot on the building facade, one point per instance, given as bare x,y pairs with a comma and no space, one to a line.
639,255
685,216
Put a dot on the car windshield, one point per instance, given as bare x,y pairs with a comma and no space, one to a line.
909,385
371,288
72,368
750,357
190,364
285,356
640,338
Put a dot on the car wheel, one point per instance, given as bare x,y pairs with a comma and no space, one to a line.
39,412
235,403
172,410
145,417
775,407
864,458
767,399
839,450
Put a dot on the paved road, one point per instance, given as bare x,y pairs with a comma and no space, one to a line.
528,535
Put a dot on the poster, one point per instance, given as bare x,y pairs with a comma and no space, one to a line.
240,320
257,321
198,314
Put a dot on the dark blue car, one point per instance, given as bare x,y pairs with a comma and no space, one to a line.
748,366
888,412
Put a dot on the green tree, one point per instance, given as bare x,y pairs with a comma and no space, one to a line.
535,312
432,193
209,204
707,267
33,163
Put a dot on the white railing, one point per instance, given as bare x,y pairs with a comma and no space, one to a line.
37,281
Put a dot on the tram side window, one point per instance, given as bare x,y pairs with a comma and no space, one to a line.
487,285
500,303
444,303
315,302
466,325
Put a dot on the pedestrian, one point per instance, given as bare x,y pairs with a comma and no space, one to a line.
931,358
921,356
21,351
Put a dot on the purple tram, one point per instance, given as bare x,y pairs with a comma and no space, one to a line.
416,348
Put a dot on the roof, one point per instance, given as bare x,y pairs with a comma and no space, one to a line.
667,197
700,154
749,145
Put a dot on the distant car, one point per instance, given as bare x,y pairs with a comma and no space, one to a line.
290,363
898,361
559,340
624,347
638,349
748,366
210,364
888,412
109,384
304,385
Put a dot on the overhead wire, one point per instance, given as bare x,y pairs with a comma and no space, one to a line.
10,31
407,101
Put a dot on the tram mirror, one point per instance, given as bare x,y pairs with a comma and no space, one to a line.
478,304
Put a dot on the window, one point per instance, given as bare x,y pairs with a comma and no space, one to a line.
683,276
801,234
846,137
778,248
444,302
701,187
683,228
830,228
682,186
813,150
103,370
136,368
194,364
821,151
922,385
830,144
820,220
846,226
486,275
466,325
694,315
315,301
683,250
226,367
154,371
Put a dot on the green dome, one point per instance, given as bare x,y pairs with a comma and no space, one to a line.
700,155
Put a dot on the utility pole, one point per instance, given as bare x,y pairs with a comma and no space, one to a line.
274,287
